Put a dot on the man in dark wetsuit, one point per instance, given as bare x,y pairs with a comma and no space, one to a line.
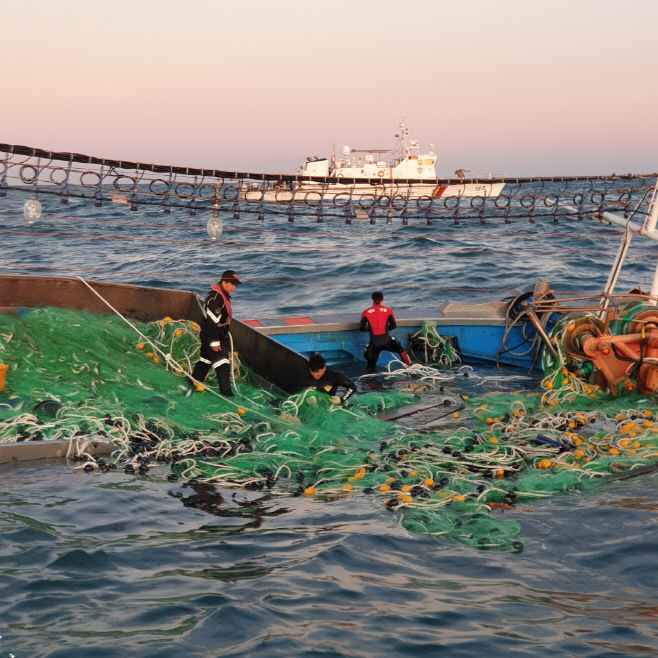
215,336
328,381
379,320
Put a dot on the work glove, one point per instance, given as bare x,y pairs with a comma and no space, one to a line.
334,399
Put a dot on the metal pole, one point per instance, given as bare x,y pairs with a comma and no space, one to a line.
617,220
615,271
631,226
652,218
650,228
654,288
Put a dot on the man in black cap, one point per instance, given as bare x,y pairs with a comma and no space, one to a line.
215,337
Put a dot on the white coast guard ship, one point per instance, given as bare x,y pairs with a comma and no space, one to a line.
388,173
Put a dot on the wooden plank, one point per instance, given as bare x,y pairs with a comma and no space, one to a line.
415,409
30,450
134,302
635,472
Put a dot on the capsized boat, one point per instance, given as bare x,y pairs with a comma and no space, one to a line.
376,175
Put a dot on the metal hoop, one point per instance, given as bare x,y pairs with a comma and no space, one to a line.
159,180
281,199
52,176
206,187
505,198
254,195
27,179
339,197
90,173
234,194
553,198
117,184
371,200
313,202
184,185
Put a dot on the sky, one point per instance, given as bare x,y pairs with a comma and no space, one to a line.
508,87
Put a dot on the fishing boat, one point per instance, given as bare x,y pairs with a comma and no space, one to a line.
374,177
275,349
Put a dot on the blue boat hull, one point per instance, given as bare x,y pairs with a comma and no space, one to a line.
338,339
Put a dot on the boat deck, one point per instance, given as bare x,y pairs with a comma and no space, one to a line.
477,329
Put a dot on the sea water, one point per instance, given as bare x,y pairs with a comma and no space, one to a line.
116,565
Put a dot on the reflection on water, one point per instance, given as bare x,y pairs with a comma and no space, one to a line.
116,565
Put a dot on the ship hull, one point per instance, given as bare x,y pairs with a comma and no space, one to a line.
380,195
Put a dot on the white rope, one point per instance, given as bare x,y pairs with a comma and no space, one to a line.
169,359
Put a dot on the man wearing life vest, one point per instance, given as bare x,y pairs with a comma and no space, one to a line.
215,336
379,320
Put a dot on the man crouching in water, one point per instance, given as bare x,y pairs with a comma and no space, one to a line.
328,381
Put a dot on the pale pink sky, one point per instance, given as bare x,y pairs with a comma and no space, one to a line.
517,87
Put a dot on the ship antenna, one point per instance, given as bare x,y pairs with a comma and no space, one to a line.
403,148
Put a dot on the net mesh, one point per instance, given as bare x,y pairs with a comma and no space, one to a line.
75,375
428,346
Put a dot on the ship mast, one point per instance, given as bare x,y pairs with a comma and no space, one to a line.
402,149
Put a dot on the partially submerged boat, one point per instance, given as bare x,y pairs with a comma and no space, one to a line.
274,349
551,337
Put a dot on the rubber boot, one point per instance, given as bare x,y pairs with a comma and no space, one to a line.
224,380
199,373
405,358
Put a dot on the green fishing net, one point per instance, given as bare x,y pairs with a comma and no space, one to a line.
428,346
74,375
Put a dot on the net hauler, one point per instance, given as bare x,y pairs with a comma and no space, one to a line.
614,347
403,170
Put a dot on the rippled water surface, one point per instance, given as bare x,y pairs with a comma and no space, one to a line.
111,565
116,565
